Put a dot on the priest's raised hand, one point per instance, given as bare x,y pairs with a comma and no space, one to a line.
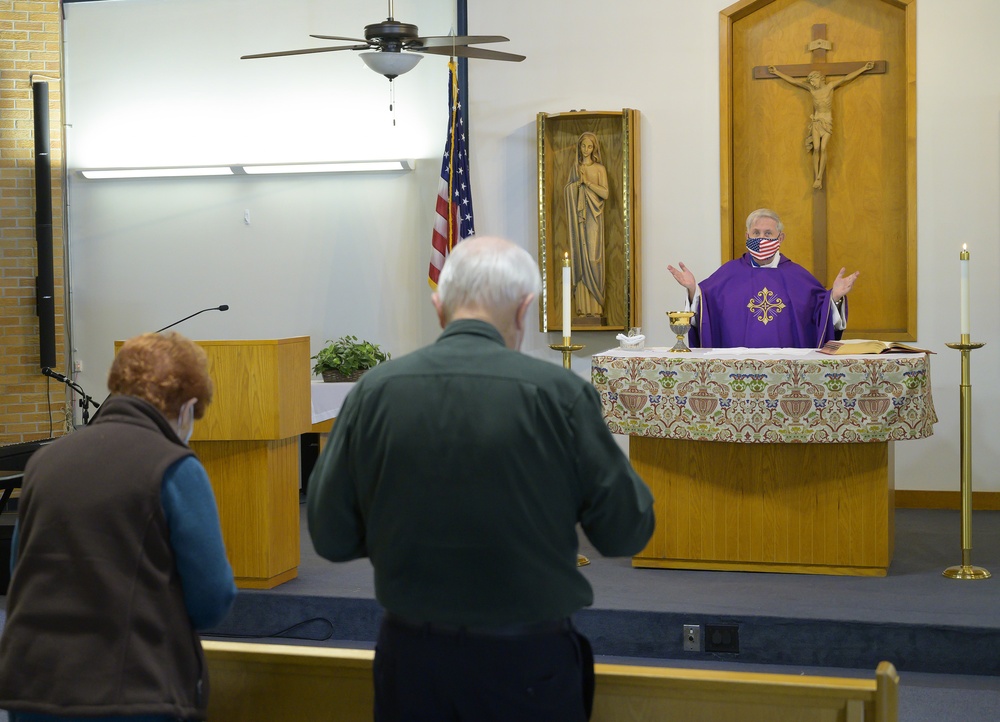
684,277
842,284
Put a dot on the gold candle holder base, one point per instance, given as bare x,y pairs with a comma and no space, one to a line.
966,570
567,349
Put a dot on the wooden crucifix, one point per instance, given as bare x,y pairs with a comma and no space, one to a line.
820,121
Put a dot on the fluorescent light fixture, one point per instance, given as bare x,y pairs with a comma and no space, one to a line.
353,167
274,168
104,174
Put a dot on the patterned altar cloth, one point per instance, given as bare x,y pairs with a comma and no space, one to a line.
765,395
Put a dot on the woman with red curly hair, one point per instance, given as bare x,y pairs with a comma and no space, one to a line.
117,556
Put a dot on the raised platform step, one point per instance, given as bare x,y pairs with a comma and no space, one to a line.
914,617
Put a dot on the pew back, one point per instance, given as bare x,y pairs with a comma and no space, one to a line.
628,693
275,683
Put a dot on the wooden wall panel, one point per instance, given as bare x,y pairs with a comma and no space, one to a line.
870,177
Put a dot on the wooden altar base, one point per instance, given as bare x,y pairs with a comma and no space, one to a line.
798,508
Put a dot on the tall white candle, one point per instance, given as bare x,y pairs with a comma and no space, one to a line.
566,320
964,263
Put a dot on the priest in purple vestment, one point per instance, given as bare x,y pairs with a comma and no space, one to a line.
763,299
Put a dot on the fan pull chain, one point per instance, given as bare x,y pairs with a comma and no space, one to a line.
392,101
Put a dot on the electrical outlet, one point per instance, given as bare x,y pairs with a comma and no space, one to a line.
722,638
692,637
77,366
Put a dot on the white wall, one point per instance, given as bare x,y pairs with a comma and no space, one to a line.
160,82
327,256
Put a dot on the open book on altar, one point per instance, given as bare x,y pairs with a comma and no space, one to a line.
864,346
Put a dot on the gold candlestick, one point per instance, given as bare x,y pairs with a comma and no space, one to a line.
567,349
966,570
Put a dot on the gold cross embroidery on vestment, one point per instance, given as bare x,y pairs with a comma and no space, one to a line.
765,305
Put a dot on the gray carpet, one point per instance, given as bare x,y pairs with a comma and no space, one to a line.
914,595
942,634
914,591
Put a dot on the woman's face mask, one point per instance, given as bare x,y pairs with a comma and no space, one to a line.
185,420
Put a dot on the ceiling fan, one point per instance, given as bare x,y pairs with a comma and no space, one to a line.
394,48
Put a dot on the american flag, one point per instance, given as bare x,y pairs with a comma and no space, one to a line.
453,220
763,248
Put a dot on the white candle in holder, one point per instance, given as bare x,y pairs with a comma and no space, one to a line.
964,263
566,319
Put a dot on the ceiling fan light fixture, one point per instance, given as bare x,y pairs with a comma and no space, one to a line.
390,64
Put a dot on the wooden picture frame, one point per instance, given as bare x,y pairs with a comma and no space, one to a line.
601,235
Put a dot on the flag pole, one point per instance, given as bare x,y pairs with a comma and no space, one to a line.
463,63
453,210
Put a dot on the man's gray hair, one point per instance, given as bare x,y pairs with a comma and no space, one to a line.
488,273
764,213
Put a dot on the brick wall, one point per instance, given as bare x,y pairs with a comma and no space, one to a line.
30,44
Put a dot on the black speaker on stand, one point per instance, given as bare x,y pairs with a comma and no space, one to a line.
44,281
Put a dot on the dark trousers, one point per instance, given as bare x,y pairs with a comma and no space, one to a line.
426,674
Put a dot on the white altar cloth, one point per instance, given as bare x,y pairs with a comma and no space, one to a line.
328,398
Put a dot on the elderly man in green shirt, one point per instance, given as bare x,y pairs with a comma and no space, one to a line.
462,470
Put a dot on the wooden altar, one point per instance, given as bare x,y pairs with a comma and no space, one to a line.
775,460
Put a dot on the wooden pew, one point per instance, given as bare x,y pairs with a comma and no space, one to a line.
279,683
634,694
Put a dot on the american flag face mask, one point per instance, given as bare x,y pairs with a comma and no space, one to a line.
763,248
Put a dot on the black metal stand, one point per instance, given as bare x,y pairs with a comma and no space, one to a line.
85,401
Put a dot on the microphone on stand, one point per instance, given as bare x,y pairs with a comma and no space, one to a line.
223,307
85,400
46,371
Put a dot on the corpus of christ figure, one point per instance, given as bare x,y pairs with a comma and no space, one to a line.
821,120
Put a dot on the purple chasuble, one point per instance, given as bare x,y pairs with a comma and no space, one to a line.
745,305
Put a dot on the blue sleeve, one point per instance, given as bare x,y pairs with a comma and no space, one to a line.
196,540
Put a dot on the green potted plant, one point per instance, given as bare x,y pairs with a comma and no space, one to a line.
347,358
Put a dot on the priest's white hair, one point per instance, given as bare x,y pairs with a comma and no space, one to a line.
765,213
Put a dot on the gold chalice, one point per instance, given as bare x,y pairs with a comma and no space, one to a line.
680,323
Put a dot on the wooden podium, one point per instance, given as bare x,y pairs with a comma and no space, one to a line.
248,442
